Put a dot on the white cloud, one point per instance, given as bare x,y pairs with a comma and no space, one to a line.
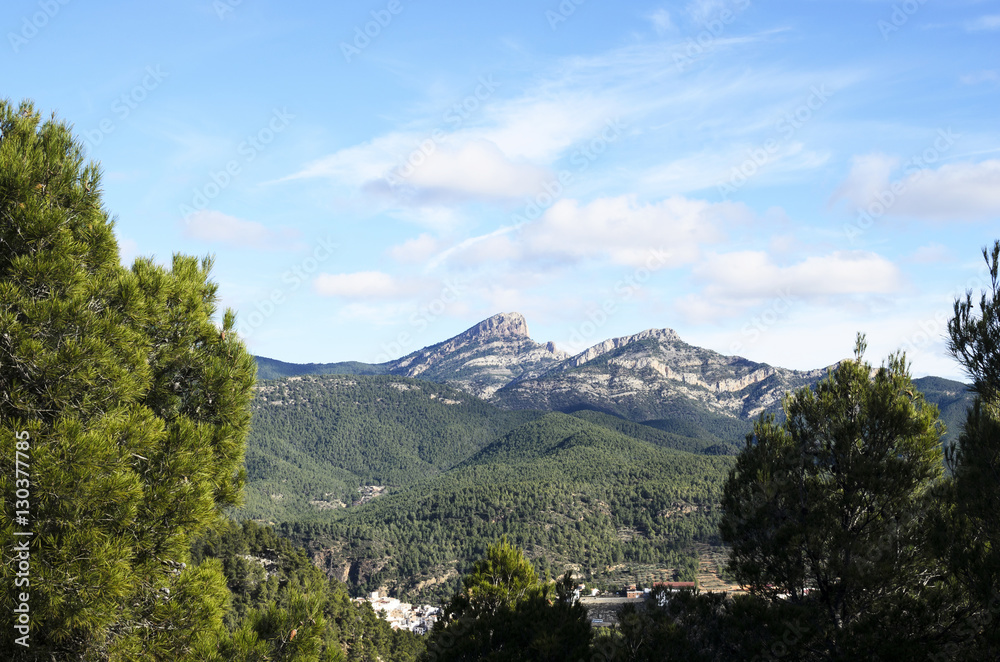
417,249
954,191
416,170
932,254
510,141
214,226
661,21
619,231
984,23
495,157
624,231
361,285
748,276
868,177
476,169
984,76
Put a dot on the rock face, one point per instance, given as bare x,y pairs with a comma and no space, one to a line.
655,375
601,348
649,375
503,325
494,353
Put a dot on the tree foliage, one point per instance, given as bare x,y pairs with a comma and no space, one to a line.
503,613
284,608
830,509
561,488
136,405
974,527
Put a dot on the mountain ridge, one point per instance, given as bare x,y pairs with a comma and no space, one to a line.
652,375
483,358
609,462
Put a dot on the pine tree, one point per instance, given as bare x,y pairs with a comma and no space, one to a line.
133,408
975,462
504,613
829,509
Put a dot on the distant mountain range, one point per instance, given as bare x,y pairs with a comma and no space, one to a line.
652,377
610,462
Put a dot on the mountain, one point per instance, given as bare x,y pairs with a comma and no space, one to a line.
609,462
652,377
571,493
493,354
316,438
274,369
656,375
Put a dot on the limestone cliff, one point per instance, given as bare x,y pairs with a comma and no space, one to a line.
654,374
484,358
648,375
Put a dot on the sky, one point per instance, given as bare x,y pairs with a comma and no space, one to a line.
766,178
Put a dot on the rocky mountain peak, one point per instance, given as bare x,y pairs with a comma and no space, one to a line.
668,336
501,325
480,360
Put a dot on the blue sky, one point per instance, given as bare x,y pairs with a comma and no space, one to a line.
766,178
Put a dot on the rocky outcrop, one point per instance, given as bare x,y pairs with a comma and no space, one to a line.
601,348
503,325
484,358
641,376
654,374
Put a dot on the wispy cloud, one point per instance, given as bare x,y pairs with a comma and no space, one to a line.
518,136
733,282
216,227
702,11
354,166
984,76
716,168
984,23
661,21
963,191
363,285
477,170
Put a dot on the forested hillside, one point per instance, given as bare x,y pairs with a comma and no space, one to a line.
652,377
573,492
397,483
318,438
274,369
282,606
